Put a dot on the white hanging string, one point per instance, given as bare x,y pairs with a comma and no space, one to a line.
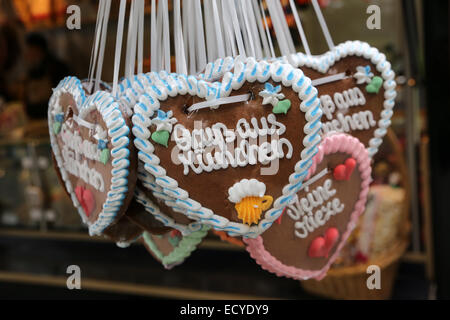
323,24
94,51
159,40
191,39
83,122
200,37
129,35
261,30
237,30
185,27
153,35
313,179
178,38
119,39
228,31
102,45
141,11
242,28
285,26
211,43
269,37
219,102
277,25
243,13
166,35
328,79
217,27
254,28
130,58
300,27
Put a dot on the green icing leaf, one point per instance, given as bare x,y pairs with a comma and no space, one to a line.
375,85
282,107
161,137
104,156
57,127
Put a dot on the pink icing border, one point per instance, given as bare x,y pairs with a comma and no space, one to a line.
333,143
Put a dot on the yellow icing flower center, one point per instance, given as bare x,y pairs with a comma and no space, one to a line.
250,208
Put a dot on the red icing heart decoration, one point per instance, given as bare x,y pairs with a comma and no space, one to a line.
86,199
344,171
321,246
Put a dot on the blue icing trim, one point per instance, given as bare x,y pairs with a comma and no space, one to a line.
163,179
228,87
172,191
308,91
279,71
310,102
184,201
145,155
266,71
290,76
155,89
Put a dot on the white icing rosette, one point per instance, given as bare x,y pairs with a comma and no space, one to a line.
246,188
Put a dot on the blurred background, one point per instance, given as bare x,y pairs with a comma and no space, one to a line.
41,234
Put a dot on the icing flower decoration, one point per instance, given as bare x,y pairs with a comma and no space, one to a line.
249,199
100,134
102,144
59,117
164,121
271,95
363,74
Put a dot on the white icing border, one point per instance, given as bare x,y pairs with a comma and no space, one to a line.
157,87
148,181
321,64
118,133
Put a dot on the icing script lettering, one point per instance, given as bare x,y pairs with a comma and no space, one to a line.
72,152
341,102
315,209
218,147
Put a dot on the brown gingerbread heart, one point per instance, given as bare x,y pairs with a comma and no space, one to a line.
214,164
356,88
313,229
90,140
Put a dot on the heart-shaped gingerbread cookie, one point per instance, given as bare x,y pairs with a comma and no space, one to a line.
90,138
234,166
158,209
139,215
172,248
313,229
356,88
